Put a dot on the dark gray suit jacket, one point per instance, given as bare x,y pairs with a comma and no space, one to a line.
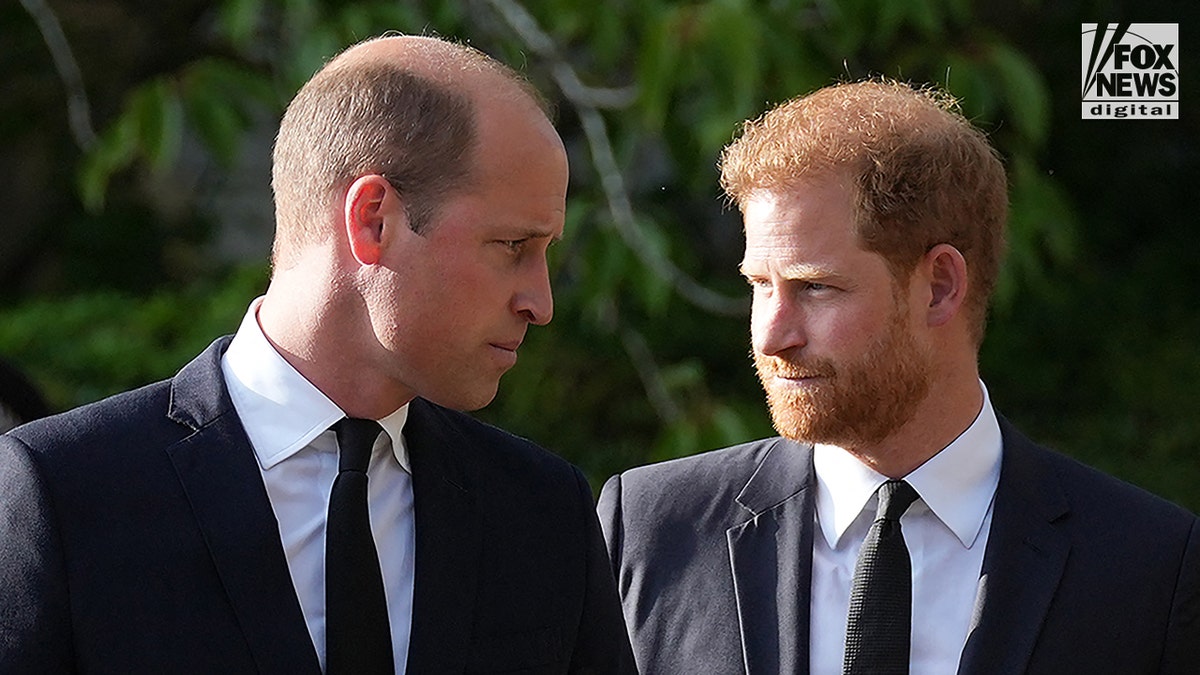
1081,574
136,537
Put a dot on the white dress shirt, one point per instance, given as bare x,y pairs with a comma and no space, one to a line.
287,420
946,531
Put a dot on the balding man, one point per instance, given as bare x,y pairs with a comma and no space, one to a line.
304,497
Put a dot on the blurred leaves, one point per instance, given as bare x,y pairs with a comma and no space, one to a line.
633,369
1025,94
211,97
92,345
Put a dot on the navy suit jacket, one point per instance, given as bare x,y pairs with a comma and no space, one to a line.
1081,574
136,536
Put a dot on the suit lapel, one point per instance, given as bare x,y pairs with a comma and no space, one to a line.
1026,552
220,476
771,556
448,543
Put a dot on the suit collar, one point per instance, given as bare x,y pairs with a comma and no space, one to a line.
220,475
1026,553
218,472
281,411
198,394
771,558
784,472
448,540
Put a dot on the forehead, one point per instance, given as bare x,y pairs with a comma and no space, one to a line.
809,219
515,139
519,177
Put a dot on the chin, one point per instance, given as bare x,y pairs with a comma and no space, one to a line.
465,401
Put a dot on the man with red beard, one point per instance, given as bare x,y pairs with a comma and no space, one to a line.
899,524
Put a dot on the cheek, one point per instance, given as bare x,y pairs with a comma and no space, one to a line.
839,330
845,330
467,299
404,307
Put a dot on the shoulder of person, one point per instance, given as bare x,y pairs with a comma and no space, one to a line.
1095,495
715,476
1105,495
734,464
123,415
490,447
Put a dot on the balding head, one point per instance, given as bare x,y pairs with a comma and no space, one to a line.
449,64
402,107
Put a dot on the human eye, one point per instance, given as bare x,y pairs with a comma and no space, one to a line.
759,283
513,245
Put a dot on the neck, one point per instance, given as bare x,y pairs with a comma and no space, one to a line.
949,408
315,321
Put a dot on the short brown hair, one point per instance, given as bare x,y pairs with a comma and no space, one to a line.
374,118
923,175
358,118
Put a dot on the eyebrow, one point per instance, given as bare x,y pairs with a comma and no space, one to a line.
531,233
797,271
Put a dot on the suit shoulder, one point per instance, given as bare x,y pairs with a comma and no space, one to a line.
81,454
734,459
492,446
1097,489
122,415
1103,497
710,475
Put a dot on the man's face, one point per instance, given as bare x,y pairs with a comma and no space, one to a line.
453,305
834,342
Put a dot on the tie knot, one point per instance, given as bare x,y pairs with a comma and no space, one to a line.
355,439
895,496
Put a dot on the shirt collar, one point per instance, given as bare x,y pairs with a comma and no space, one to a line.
282,411
957,484
393,424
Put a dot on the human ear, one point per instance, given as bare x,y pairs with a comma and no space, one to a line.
946,272
372,206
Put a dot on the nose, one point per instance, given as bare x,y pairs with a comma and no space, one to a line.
776,324
534,301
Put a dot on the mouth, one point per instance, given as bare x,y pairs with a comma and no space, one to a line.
798,373
789,378
796,379
510,346
505,352
795,372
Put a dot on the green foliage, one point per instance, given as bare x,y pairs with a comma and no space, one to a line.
635,368
1024,92
211,96
89,346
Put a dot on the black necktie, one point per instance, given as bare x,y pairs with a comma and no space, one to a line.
358,639
879,623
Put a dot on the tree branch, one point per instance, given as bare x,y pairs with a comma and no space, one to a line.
78,110
587,103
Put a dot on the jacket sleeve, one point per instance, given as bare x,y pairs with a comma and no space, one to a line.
602,646
1182,652
35,630
609,509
